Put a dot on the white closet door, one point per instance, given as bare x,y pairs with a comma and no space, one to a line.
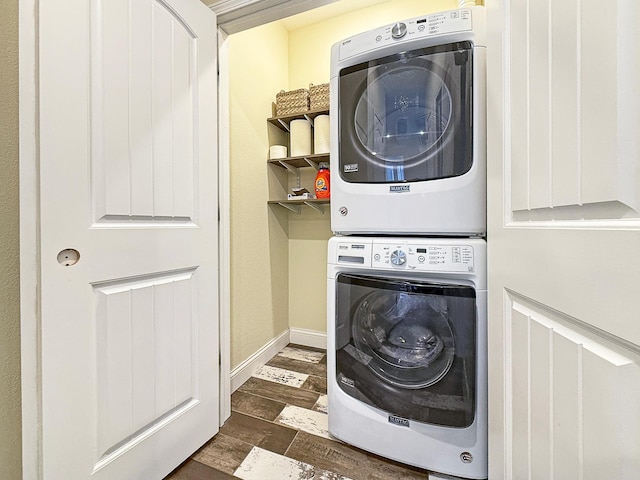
564,239
128,178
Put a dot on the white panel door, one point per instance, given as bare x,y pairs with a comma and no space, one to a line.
563,239
128,178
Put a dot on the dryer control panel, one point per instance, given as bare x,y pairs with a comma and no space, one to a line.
420,27
418,256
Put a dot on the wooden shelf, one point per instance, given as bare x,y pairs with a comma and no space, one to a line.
300,162
296,205
283,121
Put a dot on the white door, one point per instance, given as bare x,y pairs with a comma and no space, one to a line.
128,178
564,239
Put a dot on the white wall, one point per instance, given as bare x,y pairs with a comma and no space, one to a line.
10,417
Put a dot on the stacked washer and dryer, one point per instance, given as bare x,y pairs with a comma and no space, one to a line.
407,295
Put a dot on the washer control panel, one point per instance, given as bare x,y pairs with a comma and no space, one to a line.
419,256
459,20
432,257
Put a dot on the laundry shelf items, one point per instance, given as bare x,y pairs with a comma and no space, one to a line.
294,163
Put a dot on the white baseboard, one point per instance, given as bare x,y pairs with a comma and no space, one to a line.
243,372
308,338
299,336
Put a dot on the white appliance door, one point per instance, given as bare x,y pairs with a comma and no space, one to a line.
128,176
563,237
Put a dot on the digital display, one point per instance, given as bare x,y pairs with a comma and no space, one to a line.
421,250
423,20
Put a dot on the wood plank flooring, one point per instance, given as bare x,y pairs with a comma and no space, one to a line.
278,430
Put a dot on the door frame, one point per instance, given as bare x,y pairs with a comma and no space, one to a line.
224,225
254,13
30,320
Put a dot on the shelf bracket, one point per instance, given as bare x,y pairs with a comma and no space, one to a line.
317,208
294,170
284,124
294,208
311,163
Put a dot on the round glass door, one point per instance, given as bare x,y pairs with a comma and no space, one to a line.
400,343
407,117
403,113
407,337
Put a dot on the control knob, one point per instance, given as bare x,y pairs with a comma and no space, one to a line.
399,30
398,257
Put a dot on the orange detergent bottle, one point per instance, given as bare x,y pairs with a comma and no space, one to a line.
322,186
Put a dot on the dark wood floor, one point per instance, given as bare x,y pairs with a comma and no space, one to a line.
276,427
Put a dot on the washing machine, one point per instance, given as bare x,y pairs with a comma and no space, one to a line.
407,349
408,112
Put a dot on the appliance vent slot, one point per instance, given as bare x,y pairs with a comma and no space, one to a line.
350,259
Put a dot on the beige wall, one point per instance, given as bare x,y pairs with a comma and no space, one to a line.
310,47
10,429
278,259
259,234
309,62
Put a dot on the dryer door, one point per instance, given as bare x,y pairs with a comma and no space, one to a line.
407,117
408,347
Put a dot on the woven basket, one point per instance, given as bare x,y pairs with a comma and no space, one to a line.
319,96
294,101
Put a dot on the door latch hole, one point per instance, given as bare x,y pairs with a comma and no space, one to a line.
68,257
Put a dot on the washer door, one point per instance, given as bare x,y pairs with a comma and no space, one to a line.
407,336
408,347
407,117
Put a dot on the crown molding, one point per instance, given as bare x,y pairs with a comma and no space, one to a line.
238,15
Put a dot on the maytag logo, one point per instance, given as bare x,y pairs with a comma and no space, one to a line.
399,188
351,167
348,382
403,422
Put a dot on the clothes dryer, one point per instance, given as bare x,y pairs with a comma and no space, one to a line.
407,349
408,112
